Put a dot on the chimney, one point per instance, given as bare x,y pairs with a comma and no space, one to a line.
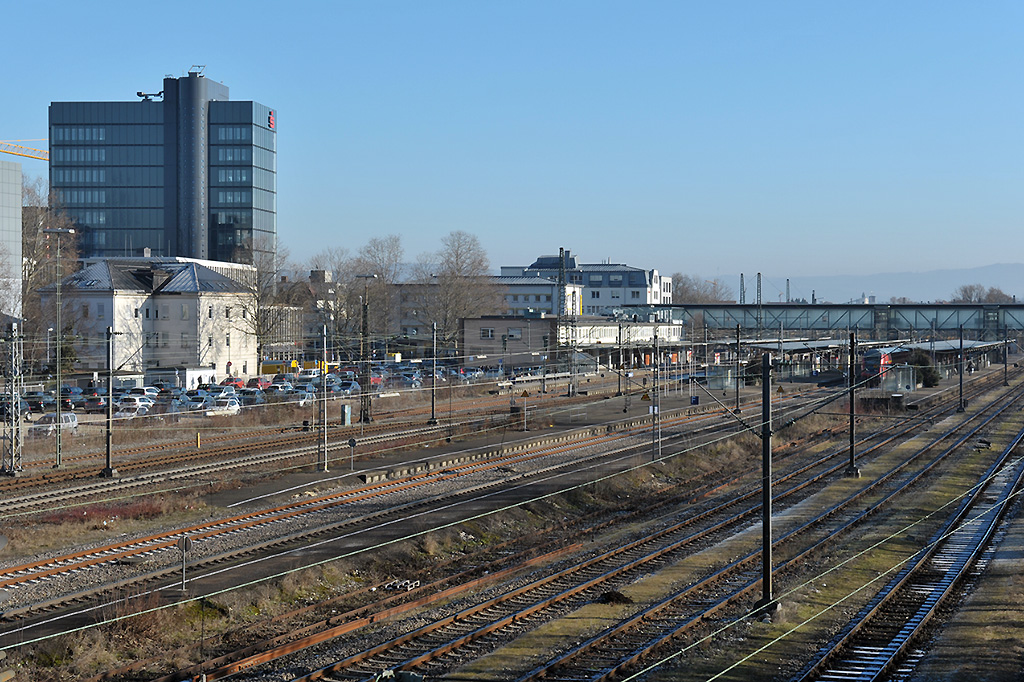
160,276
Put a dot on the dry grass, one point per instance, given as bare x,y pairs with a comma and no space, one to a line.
97,523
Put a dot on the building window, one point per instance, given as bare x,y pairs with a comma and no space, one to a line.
616,294
85,310
227,339
184,340
184,311
227,313
211,312
486,332
634,294
209,342
147,313
595,294
136,313
515,333
101,311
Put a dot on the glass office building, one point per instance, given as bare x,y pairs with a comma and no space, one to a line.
184,172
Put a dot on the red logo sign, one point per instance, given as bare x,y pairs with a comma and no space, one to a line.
270,120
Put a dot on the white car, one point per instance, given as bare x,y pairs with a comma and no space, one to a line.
225,405
201,402
131,411
133,401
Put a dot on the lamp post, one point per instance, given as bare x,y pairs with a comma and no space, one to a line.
58,231
364,388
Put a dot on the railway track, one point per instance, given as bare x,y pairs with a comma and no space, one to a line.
469,630
879,637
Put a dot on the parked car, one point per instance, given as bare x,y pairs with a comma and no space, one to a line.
96,403
5,407
131,411
277,390
220,389
39,401
302,398
47,424
226,405
201,402
347,387
258,382
233,381
134,401
251,396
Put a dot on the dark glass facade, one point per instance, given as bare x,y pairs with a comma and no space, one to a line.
193,175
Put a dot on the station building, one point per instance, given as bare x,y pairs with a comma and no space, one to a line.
183,172
606,286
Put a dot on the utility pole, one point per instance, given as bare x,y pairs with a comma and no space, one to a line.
851,470
1006,356
11,464
738,368
655,405
618,392
766,484
433,375
961,407
323,395
366,379
108,470
58,231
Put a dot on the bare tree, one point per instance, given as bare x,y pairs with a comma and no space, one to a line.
454,284
690,289
381,256
977,293
339,300
271,305
40,211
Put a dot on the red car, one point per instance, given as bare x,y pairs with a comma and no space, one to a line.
233,381
258,382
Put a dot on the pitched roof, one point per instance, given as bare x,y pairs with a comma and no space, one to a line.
149,277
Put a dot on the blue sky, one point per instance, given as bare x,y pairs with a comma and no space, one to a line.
789,138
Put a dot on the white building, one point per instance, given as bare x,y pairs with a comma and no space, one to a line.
165,313
532,295
10,238
605,285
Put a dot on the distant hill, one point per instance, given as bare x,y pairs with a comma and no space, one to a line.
919,287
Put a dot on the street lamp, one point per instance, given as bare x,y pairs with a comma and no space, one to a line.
364,388
58,231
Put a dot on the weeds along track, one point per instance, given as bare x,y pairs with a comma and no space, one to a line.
879,637
460,636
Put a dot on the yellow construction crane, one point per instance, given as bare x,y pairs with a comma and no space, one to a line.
10,148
